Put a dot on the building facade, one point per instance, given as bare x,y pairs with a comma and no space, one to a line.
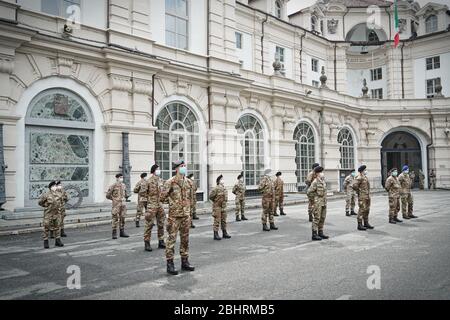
228,86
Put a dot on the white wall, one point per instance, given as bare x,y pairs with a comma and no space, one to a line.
355,82
246,53
421,74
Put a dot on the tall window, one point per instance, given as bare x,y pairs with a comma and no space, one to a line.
431,24
431,86
304,150
377,93
280,52
347,149
238,40
177,23
252,141
376,74
313,23
315,65
278,9
62,8
433,63
177,138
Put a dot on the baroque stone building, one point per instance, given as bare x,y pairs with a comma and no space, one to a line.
226,85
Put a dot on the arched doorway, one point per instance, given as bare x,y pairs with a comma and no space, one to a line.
400,148
347,152
304,152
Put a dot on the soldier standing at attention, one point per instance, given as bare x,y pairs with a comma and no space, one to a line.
308,181
279,194
405,193
392,186
413,178
51,202
193,197
266,187
118,193
362,187
318,191
349,194
421,180
64,199
141,190
432,179
154,209
176,190
239,192
219,197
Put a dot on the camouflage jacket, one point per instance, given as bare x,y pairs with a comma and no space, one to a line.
309,178
51,202
153,196
64,199
362,186
348,183
239,190
392,185
279,187
117,192
176,191
318,191
405,183
266,187
219,196
141,189
193,192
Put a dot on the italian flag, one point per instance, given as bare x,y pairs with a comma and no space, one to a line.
396,25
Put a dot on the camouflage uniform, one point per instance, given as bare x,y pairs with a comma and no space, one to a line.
405,195
219,197
308,181
349,194
362,187
193,199
279,194
318,192
421,180
392,185
432,180
51,202
176,190
117,193
267,188
154,208
141,190
239,191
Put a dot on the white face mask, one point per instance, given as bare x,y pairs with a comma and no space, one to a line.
59,187
366,172
120,179
321,175
221,182
53,188
157,172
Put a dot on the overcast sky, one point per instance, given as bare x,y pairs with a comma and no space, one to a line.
295,5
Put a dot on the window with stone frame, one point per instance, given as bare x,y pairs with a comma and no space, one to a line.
431,86
177,21
376,74
433,63
61,8
238,36
377,93
304,150
314,65
347,149
431,24
278,9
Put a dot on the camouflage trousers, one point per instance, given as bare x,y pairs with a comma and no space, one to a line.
433,183
118,212
267,214
52,223
150,217
364,209
140,209
220,218
349,201
394,207
421,185
240,206
279,203
61,220
319,215
407,204
194,209
175,224
310,206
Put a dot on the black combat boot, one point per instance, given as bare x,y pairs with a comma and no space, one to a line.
406,217
265,228
58,243
347,213
353,213
361,227
52,235
147,246
137,224
123,234
367,225
315,236
195,217
161,244
275,213
397,220
243,217
323,236
411,216
192,225
216,235
46,246
282,212
185,265
171,268
225,234
63,234
272,226
392,220
238,218
114,234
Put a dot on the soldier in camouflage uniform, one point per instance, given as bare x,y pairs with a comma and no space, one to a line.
141,190
421,180
349,194
266,187
193,196
154,209
176,190
64,200
279,194
318,191
362,187
219,197
432,180
239,192
308,181
118,193
51,202
405,193
392,186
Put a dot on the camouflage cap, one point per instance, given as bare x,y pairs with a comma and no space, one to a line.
315,165
318,169
176,164
278,173
218,179
362,168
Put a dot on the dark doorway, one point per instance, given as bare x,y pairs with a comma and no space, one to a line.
400,148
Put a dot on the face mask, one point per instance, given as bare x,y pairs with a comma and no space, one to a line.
53,188
59,187
366,173
321,175
120,179
183,171
353,174
221,182
158,173
406,171
395,173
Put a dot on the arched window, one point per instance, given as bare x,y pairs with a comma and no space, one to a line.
252,141
278,9
177,138
313,23
431,24
305,150
58,144
347,149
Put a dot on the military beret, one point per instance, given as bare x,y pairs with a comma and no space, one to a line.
267,171
362,168
153,168
176,164
119,175
143,175
51,184
278,173
218,179
57,182
318,169
315,165
394,169
405,167
240,175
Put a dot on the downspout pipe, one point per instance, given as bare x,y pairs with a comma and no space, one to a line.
343,23
335,67
301,57
322,136
262,43
208,44
428,148
402,71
